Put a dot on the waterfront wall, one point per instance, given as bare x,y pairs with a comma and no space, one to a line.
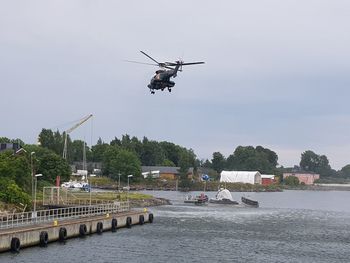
43,234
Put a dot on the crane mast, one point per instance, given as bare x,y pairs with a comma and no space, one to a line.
83,120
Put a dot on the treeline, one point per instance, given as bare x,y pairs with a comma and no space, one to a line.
121,156
261,159
115,154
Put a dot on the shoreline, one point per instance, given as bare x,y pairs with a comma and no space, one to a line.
150,202
276,188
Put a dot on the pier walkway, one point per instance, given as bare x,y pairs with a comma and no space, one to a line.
44,226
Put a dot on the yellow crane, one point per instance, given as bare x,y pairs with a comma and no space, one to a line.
70,130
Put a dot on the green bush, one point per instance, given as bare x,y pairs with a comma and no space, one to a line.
291,181
10,192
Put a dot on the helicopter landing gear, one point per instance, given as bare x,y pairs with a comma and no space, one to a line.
152,92
169,89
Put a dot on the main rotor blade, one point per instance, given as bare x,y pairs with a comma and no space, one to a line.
136,62
192,63
149,57
184,64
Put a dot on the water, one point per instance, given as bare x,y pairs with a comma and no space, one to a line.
291,226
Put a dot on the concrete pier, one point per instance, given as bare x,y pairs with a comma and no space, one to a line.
13,239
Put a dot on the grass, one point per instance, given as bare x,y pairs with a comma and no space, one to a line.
102,181
111,195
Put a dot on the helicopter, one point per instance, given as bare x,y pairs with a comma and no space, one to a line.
161,79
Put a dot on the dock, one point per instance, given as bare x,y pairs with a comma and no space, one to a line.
28,229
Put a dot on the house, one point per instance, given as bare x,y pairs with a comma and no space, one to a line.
9,146
267,179
240,177
163,172
304,177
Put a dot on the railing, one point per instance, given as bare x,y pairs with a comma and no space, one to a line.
62,197
50,215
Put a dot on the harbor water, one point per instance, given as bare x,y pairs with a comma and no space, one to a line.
289,226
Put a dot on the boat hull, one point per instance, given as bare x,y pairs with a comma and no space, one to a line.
250,202
223,202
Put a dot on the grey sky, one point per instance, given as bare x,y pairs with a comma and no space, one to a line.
276,73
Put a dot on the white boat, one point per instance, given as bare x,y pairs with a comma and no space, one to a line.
223,196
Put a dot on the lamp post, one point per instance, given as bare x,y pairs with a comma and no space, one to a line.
34,206
129,176
32,172
119,181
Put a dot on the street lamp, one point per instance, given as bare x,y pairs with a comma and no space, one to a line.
34,206
119,181
129,176
32,172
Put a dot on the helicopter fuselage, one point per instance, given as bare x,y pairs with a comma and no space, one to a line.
161,80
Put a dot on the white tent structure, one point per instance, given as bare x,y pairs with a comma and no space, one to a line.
240,177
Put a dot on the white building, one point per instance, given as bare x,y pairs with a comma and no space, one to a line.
240,177
153,174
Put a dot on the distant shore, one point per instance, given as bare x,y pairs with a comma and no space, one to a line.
322,187
238,188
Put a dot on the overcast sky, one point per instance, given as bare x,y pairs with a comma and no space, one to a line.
276,73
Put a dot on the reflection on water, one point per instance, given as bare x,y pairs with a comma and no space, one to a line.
292,226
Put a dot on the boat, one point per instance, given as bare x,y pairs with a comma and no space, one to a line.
249,202
223,197
76,186
202,199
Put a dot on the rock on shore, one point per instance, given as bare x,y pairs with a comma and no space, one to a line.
149,202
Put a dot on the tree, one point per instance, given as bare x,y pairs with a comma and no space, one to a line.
49,164
152,154
253,159
4,140
76,150
115,142
271,156
7,140
117,160
16,168
46,139
52,165
313,162
98,151
171,151
167,162
185,162
125,163
207,164
345,171
218,162
108,155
